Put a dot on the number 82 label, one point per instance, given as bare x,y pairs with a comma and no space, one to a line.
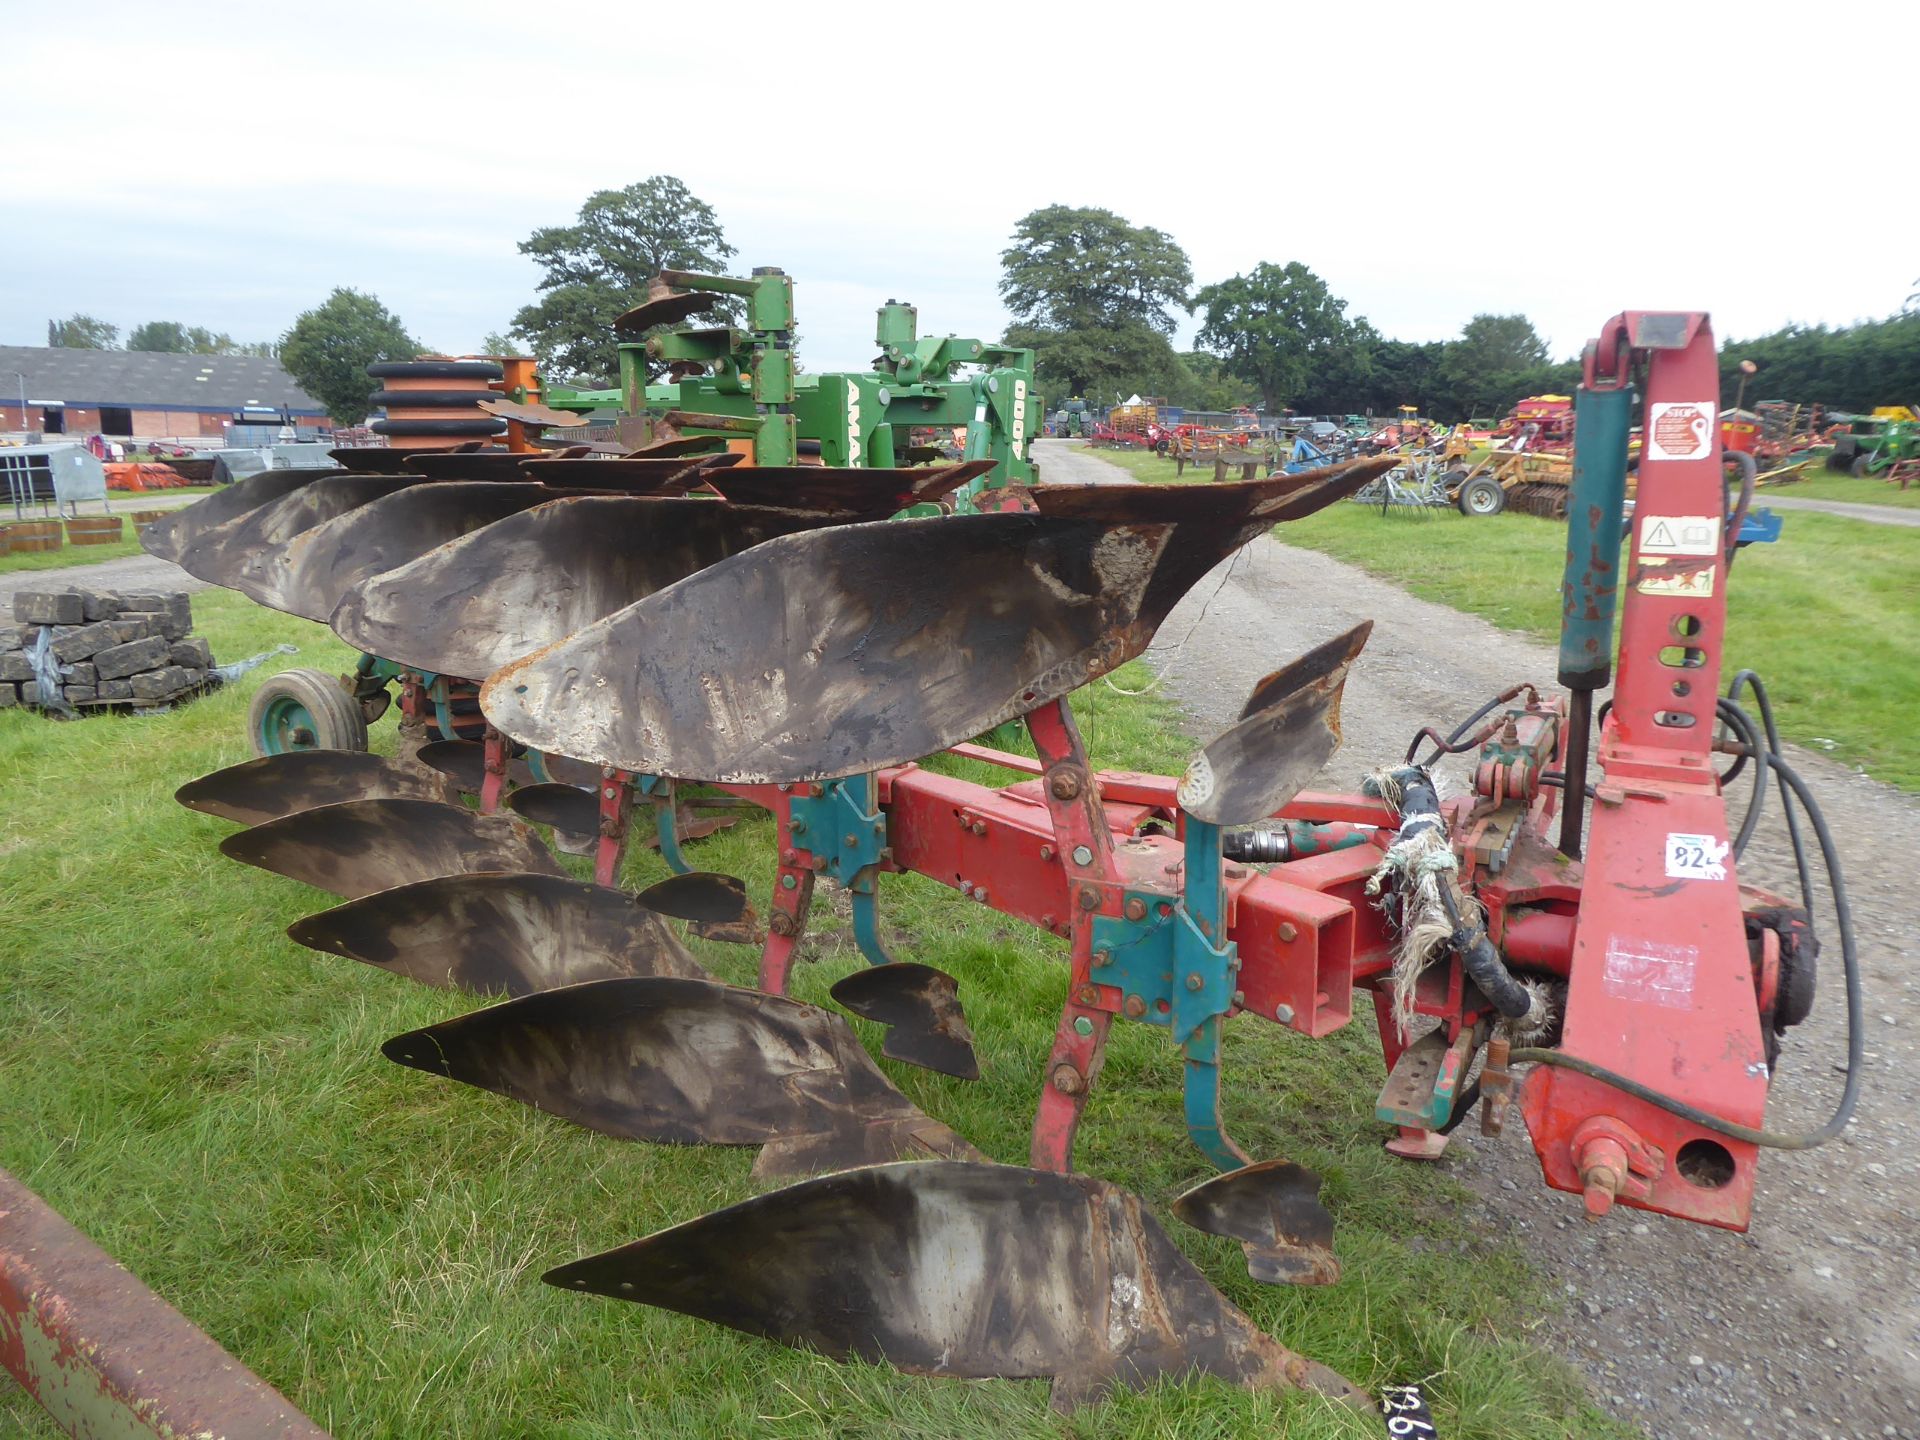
1696,857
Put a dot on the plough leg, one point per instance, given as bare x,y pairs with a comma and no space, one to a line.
616,822
792,899
659,789
493,783
1204,1125
1079,1046
1085,849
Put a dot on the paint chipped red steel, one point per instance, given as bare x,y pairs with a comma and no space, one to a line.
104,1355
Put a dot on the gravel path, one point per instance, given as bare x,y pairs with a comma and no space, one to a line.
130,572
1873,514
1808,1325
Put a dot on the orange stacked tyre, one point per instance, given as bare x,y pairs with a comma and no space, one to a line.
435,404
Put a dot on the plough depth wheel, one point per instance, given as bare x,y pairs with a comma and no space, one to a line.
304,710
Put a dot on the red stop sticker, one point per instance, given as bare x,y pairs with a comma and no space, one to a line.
1680,430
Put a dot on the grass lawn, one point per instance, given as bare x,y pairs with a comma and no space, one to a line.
1829,616
68,555
1823,484
71,554
207,1101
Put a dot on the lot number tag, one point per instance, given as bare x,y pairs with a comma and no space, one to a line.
1406,1412
1696,857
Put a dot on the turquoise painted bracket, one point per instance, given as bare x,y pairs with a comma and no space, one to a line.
659,789
843,828
1182,978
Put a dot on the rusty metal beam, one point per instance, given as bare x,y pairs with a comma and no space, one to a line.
105,1355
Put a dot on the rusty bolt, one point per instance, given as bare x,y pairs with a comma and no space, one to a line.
789,857
852,840
1069,1081
1195,981
1135,1007
1240,997
1047,922
1065,785
966,887
781,923
980,894
1102,958
1287,932
1046,852
979,827
1136,909
1087,995
1089,898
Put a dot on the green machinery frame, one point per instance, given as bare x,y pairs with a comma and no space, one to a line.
741,381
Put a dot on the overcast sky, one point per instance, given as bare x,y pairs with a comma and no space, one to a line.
228,165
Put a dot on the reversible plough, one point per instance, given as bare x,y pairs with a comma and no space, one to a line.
644,625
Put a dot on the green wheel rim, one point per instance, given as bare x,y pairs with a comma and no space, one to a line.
287,725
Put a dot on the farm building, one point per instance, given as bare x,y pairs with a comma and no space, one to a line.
126,393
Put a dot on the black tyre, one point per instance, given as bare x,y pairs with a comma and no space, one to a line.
483,425
1482,495
435,370
1842,455
304,710
428,399
1451,480
1862,467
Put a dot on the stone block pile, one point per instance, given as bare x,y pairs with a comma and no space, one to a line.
75,649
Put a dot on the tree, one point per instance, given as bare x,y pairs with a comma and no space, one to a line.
1201,382
1479,368
82,332
1279,325
160,336
1848,367
495,343
598,268
1103,365
1403,372
1090,293
1074,269
329,348
170,337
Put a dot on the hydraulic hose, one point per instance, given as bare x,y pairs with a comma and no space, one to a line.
1747,679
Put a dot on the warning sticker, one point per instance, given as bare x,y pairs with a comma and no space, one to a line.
1680,430
1696,583
1696,857
1680,535
1650,973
